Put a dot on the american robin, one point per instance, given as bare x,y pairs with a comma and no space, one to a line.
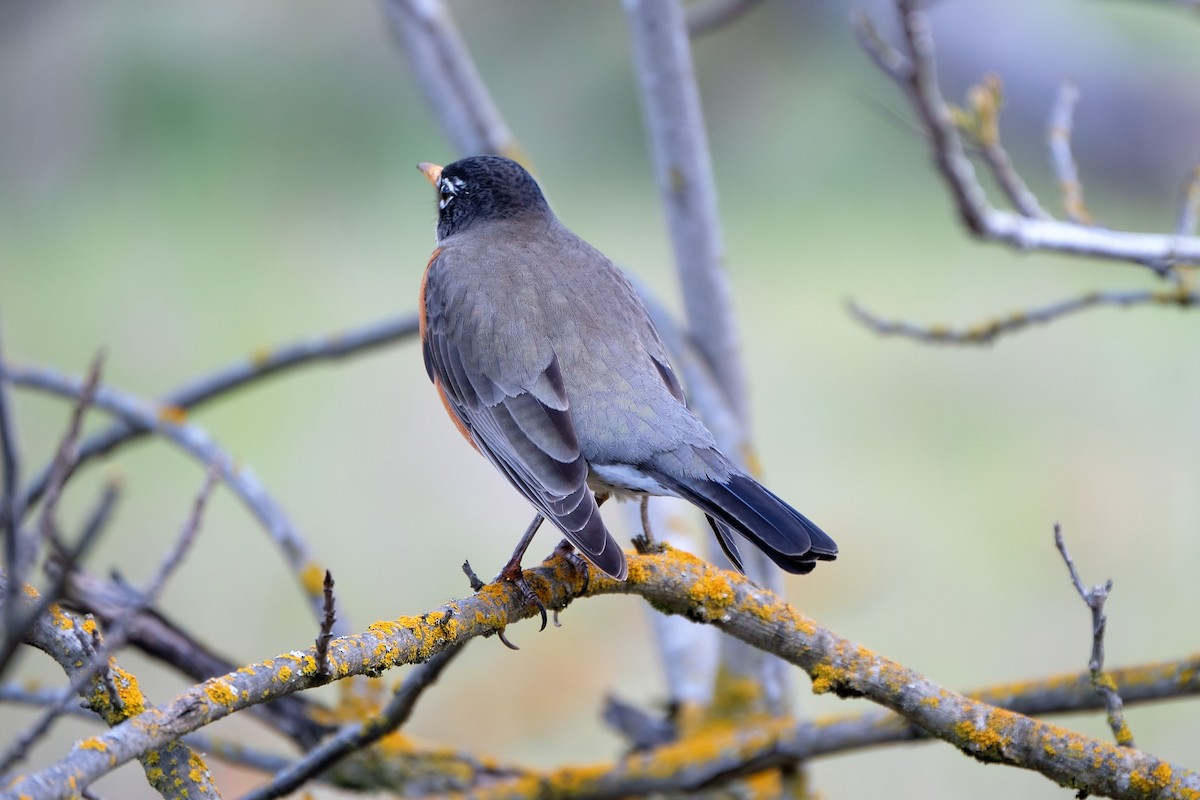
549,365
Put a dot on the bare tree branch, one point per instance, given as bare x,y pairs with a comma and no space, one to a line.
983,125
117,635
358,737
676,583
447,76
261,364
168,423
157,636
1189,205
915,71
66,562
26,549
326,633
989,330
711,15
670,102
1058,136
11,509
171,767
1104,685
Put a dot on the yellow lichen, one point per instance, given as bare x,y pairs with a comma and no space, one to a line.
93,744
61,620
824,678
284,674
712,594
173,415
220,692
312,578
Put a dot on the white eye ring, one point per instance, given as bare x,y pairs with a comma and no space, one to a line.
448,189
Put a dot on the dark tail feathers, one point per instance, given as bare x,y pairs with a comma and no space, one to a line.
742,504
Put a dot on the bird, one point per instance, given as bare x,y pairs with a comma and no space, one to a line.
548,364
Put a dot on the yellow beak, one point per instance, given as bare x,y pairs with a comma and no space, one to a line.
431,172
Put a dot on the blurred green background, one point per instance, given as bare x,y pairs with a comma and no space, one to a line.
183,183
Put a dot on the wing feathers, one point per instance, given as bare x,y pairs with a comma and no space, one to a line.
526,431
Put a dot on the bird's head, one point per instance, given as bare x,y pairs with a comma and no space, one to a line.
480,189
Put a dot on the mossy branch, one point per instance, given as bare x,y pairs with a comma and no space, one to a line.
676,583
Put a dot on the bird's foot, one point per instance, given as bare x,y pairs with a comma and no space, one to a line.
578,563
513,573
645,542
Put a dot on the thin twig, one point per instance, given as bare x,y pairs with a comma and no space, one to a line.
1058,136
326,632
26,549
65,563
1103,683
447,76
11,509
989,330
1189,206
986,100
262,364
711,15
890,61
358,737
118,634
196,442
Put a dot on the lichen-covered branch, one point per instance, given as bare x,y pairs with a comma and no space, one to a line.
989,330
673,582
173,769
355,738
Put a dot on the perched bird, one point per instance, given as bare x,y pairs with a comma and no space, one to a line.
549,365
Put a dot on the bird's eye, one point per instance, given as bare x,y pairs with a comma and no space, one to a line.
446,193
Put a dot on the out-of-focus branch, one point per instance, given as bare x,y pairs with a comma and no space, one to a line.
670,101
673,582
172,426
65,563
1189,205
447,76
26,549
711,15
262,364
1062,117
11,509
989,330
982,125
113,693
915,72
1103,683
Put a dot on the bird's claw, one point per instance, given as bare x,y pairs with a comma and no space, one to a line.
516,576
